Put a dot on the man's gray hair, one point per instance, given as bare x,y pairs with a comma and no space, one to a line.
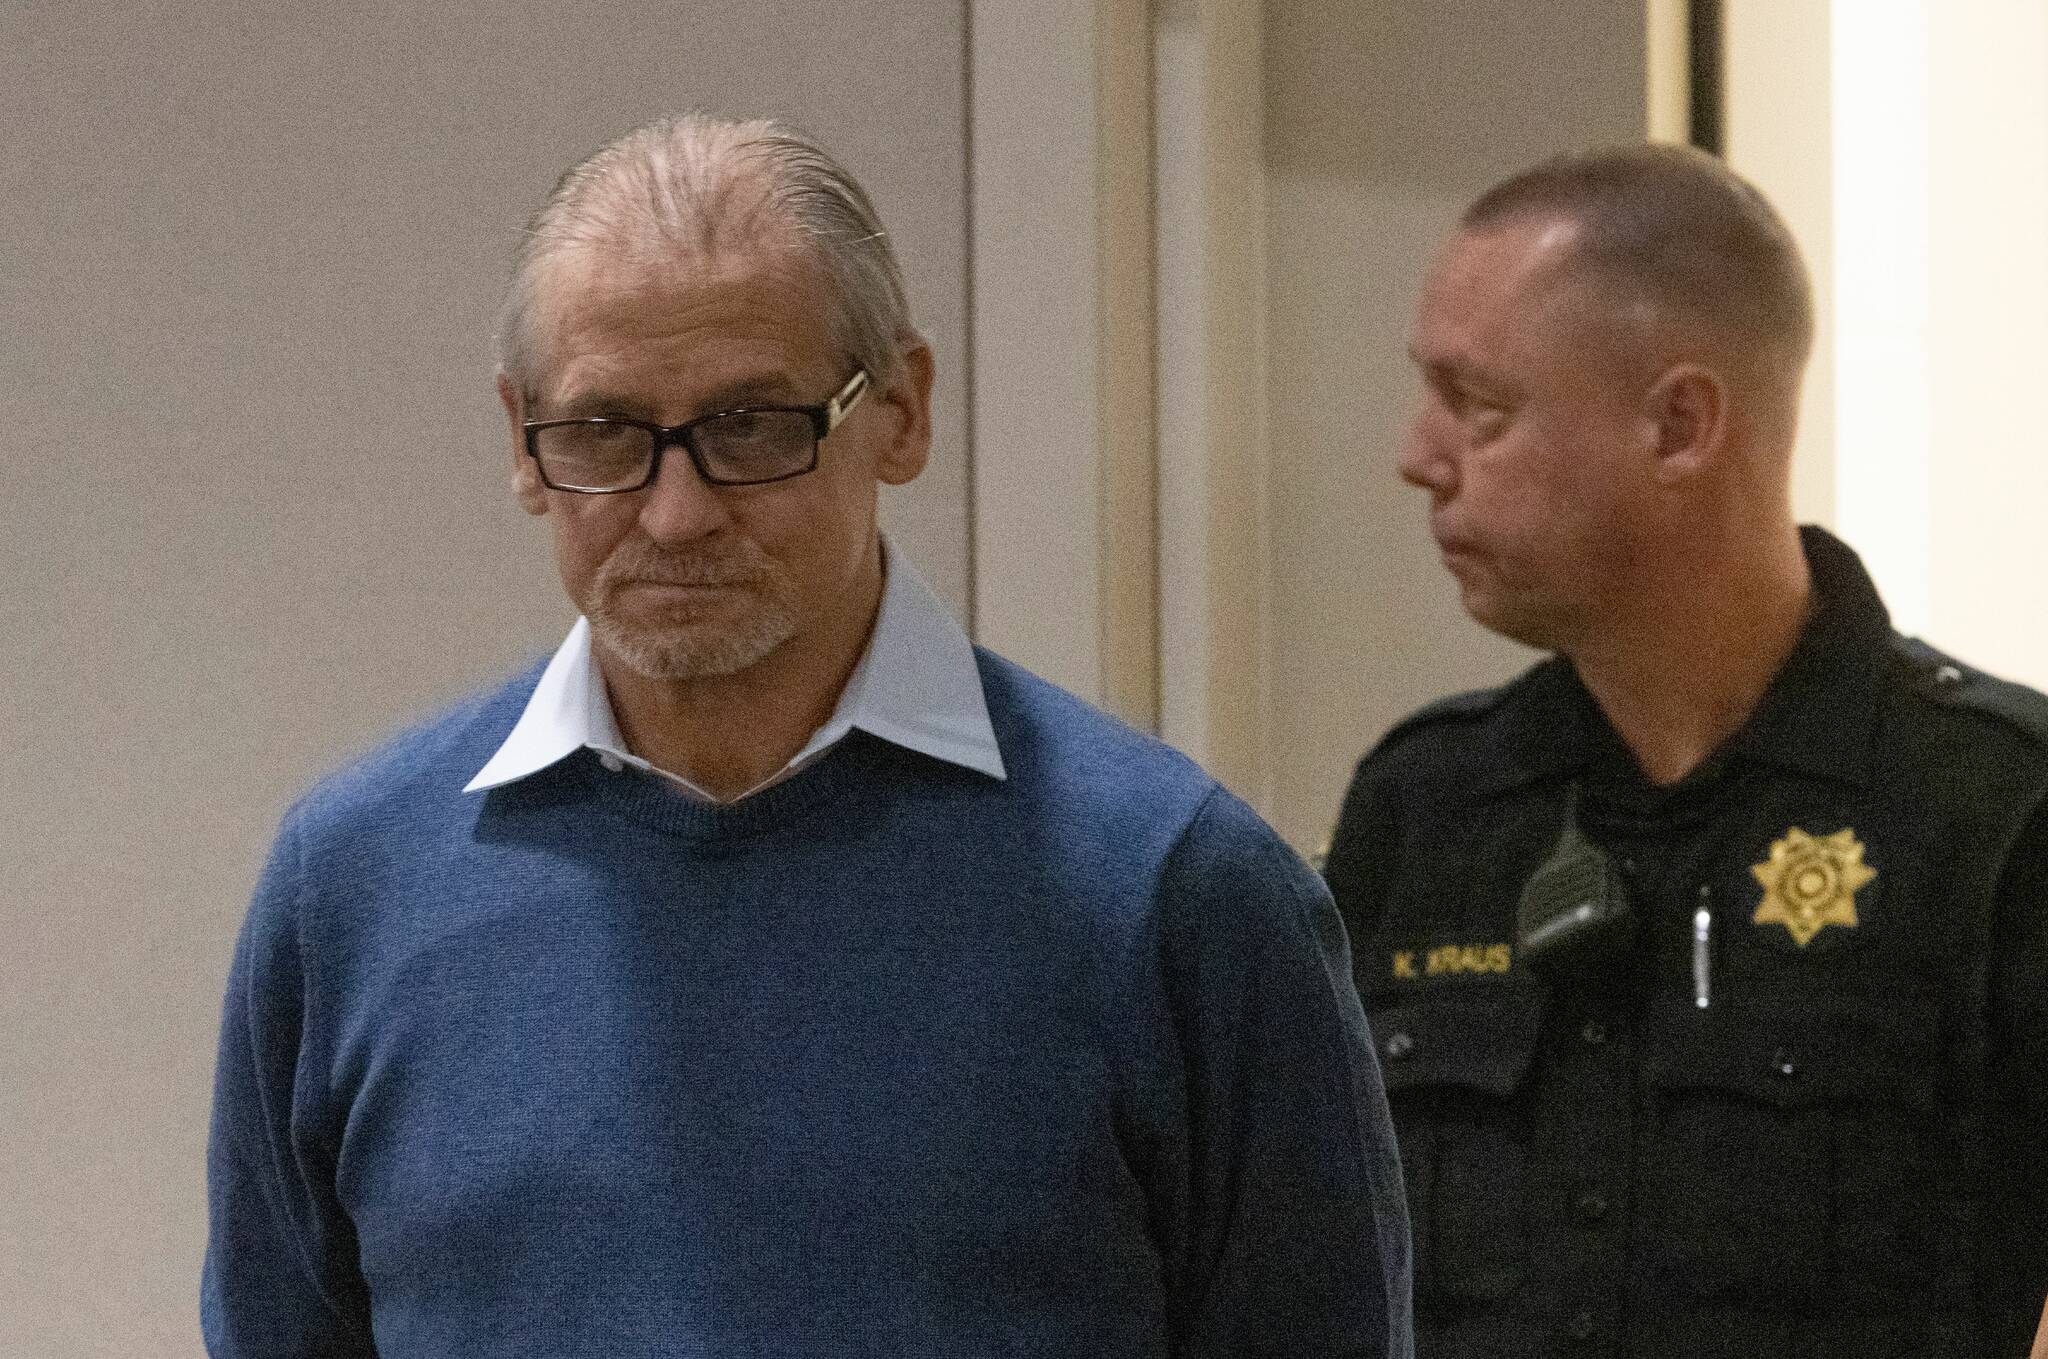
1677,226
698,184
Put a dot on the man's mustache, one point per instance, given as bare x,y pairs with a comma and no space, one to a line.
644,562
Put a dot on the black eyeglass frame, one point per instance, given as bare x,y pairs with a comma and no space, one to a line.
825,417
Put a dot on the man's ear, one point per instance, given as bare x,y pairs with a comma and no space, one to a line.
1685,419
908,402
526,484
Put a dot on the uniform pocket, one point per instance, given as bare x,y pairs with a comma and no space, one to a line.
1784,1159
1457,1071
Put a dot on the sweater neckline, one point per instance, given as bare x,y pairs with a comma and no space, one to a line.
648,800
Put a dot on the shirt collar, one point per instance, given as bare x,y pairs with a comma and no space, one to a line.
1819,716
916,685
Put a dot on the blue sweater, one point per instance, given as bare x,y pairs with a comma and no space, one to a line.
890,1059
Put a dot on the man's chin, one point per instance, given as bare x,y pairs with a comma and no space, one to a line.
691,652
1528,626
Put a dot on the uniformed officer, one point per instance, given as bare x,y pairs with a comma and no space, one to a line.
1706,958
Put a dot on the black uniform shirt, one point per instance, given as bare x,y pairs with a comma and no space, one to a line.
1801,1110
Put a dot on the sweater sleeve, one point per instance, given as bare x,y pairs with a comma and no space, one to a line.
1278,1204
280,1279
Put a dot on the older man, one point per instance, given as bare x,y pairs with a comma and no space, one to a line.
773,973
1707,957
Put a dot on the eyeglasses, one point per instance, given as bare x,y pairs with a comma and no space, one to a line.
746,446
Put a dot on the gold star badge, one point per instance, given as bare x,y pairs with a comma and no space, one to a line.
1810,883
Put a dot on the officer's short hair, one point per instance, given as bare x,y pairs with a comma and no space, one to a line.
1676,226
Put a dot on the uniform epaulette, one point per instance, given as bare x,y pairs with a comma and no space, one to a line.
1947,680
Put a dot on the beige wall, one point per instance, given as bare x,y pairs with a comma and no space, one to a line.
254,508
1908,146
1305,159
1779,126
1988,341
1064,542
1382,121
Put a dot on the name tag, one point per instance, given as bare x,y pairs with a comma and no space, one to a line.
1452,960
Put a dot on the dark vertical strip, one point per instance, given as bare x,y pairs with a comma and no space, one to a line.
1703,35
968,261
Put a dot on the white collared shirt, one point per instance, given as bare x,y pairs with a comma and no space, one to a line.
916,685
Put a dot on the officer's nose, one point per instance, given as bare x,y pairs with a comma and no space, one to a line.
1429,452
680,506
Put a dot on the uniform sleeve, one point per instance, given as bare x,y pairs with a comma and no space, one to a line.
2013,1258
279,1280
1276,1194
1361,847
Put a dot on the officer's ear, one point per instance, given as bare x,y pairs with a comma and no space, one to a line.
526,484
1685,417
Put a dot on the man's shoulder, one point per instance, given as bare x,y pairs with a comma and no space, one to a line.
1441,737
426,763
1048,734
1081,777
1117,821
1937,682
